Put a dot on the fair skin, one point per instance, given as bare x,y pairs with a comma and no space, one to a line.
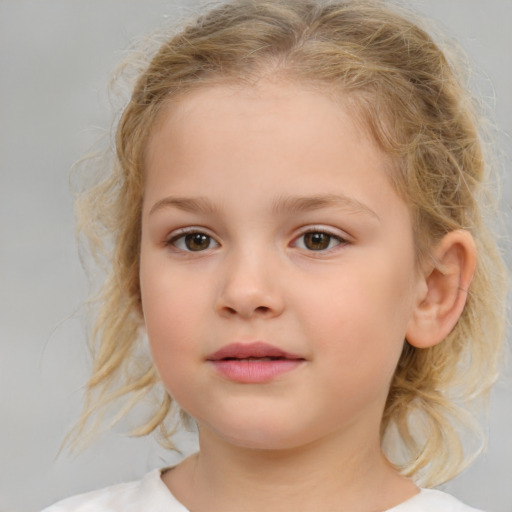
268,217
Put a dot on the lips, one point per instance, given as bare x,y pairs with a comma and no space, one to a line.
255,350
255,362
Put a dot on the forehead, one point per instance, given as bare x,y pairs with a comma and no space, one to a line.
272,137
305,110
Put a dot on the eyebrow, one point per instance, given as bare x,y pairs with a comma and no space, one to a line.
187,204
290,204
298,204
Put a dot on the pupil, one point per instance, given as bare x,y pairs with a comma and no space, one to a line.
197,241
317,241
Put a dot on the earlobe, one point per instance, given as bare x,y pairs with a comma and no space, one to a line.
445,286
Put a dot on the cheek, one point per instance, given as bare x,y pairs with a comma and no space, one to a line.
360,317
377,297
168,297
170,311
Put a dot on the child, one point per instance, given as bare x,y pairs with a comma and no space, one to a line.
296,215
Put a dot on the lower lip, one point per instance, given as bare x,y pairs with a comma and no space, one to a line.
255,371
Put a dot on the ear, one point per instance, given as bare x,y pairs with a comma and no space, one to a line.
444,286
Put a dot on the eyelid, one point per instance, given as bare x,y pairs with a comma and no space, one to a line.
189,230
337,233
341,236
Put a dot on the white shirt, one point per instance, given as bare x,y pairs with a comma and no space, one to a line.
151,495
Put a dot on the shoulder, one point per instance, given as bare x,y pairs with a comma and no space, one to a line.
148,494
430,500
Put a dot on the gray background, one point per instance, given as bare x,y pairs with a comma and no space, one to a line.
55,60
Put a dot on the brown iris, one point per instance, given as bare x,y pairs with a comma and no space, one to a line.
316,241
197,241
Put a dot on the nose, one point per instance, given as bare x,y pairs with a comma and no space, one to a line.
250,288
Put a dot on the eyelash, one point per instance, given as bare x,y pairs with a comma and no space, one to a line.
180,237
321,231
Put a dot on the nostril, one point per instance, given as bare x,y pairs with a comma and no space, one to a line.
260,310
248,302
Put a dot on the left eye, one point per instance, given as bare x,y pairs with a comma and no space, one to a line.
193,242
317,241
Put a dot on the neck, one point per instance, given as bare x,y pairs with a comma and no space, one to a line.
325,475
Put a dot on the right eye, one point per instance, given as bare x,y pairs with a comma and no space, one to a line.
193,242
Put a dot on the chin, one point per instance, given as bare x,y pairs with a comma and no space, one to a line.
260,442
265,437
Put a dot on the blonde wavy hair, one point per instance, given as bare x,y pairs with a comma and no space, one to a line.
414,102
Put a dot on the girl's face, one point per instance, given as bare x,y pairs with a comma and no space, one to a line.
277,266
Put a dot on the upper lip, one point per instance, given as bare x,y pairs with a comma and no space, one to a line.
255,350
